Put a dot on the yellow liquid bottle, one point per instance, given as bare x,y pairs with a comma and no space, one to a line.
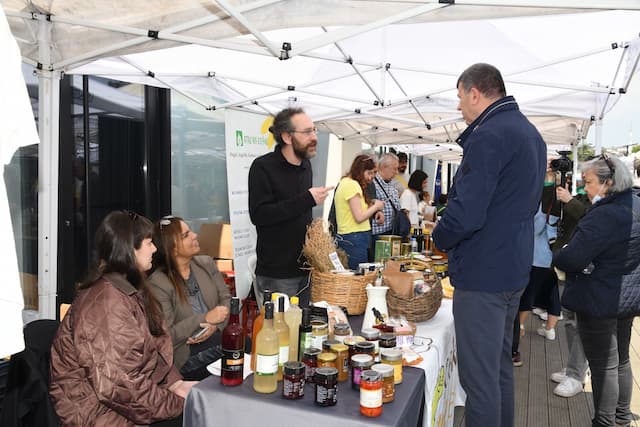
293,317
257,325
267,348
283,336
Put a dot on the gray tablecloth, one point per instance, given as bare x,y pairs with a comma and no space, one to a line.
211,404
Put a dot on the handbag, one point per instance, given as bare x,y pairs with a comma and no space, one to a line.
400,225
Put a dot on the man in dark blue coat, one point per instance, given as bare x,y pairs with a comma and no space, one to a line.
487,231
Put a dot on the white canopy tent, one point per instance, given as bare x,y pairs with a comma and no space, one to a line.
380,72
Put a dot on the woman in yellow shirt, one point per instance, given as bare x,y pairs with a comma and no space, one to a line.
353,209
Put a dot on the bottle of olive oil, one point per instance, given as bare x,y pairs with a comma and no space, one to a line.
283,336
267,348
257,325
293,317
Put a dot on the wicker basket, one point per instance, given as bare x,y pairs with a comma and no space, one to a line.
341,290
417,308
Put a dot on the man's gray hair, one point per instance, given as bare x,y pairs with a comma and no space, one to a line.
386,159
610,167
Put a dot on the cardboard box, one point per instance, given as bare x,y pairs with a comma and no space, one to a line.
215,240
224,264
29,284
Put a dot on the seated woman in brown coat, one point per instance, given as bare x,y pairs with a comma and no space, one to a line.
111,359
192,294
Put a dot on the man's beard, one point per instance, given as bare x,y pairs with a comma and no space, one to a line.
301,151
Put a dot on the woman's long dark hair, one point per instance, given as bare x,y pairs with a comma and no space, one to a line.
362,163
118,235
166,233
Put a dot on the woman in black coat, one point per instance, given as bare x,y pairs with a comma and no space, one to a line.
603,274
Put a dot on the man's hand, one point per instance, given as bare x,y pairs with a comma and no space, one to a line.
320,193
563,194
379,217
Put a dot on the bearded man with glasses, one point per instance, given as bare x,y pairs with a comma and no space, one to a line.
280,201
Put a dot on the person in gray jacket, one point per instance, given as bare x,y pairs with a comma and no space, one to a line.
193,296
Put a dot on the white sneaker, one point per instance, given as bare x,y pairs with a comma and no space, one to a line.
568,388
549,334
558,377
539,312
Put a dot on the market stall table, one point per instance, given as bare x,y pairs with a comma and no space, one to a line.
210,403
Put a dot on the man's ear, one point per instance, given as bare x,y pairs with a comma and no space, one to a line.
286,137
475,95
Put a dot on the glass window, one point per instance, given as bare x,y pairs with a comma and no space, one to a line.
21,181
198,163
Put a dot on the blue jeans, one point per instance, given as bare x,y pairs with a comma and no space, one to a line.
484,327
356,246
576,362
606,345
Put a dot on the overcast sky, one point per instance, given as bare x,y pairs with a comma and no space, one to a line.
621,126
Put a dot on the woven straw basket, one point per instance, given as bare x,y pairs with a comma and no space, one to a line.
417,308
344,291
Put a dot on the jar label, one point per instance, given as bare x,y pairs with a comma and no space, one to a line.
293,388
370,398
326,395
232,360
355,375
317,340
266,364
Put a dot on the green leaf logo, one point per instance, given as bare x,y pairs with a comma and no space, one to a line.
239,138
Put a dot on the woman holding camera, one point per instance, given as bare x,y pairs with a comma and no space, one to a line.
112,359
602,265
193,296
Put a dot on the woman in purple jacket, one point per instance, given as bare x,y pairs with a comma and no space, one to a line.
602,262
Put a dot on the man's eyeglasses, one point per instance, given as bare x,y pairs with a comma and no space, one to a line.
609,163
306,131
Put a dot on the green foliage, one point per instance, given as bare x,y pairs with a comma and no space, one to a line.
635,148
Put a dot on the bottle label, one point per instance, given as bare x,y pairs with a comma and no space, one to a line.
266,364
284,354
305,342
232,360
370,398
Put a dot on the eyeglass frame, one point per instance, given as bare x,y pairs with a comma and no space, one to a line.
307,132
609,164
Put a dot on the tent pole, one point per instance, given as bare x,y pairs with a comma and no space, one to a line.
574,149
351,31
249,26
48,113
598,147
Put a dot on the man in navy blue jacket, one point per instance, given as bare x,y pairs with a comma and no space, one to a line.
487,231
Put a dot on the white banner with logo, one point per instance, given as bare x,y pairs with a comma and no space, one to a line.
247,137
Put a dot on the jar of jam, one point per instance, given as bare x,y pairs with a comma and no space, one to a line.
341,331
310,359
326,346
326,385
327,360
319,333
293,380
359,363
351,343
373,335
342,360
388,386
371,393
366,347
387,340
393,357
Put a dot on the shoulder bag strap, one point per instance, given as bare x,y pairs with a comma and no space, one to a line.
387,195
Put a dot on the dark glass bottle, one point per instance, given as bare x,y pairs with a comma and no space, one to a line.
233,347
304,337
